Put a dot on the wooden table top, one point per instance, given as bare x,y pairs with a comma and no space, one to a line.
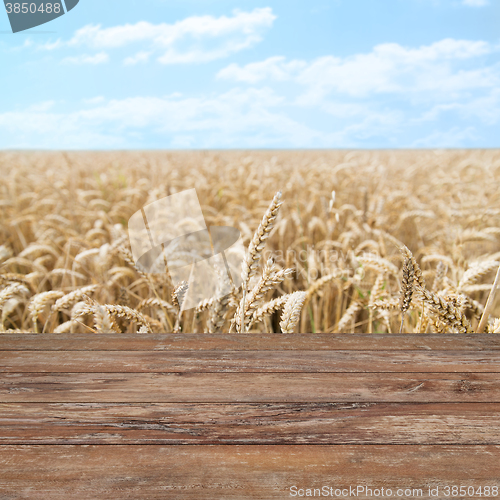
248,416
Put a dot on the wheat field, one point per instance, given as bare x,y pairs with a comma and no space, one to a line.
337,241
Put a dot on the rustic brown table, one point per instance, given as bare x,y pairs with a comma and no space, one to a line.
248,416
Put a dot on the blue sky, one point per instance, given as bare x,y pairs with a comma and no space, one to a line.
176,74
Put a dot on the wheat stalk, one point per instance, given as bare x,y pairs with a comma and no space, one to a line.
271,277
255,249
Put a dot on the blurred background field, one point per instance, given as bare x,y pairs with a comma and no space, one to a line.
345,213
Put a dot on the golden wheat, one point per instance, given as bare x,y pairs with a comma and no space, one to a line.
338,220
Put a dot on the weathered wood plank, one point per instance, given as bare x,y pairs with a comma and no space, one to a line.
249,387
237,472
248,361
272,423
245,342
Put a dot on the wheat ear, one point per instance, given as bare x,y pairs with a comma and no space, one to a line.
103,322
291,311
11,291
269,308
128,313
411,273
447,312
70,298
320,283
271,277
476,271
217,314
219,305
178,296
386,304
154,302
129,259
439,276
66,327
348,316
495,328
258,242
255,249
380,264
375,292
38,303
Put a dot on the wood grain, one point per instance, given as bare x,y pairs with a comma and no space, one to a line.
304,423
245,416
248,361
246,342
249,387
235,472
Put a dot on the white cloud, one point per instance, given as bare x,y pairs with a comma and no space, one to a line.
36,45
475,3
247,118
165,34
142,56
49,45
100,58
445,93
244,118
42,106
194,39
94,100
486,108
388,68
275,68
391,89
452,138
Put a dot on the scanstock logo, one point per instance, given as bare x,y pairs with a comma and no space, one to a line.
170,235
26,15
